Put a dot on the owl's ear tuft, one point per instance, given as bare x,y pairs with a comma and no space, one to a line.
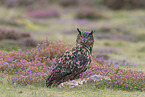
79,31
91,33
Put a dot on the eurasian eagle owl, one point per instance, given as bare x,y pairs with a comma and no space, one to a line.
73,62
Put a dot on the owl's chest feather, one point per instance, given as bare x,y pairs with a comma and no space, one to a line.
78,56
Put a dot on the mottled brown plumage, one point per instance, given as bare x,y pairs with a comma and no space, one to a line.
73,62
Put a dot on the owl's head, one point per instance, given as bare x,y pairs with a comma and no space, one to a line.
85,38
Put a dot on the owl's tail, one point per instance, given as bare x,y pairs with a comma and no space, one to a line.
49,81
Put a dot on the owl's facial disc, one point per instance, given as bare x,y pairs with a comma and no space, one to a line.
84,39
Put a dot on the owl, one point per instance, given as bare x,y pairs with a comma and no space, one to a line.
73,62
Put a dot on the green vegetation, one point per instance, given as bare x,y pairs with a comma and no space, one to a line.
128,23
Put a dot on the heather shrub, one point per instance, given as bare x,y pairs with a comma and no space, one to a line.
43,51
105,28
43,13
88,13
12,35
33,66
25,34
2,1
114,4
21,38
15,3
2,36
68,2
118,4
28,42
120,62
9,33
116,37
104,56
11,3
120,78
106,50
137,3
90,2
12,22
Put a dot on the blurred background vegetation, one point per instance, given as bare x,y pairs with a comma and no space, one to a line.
119,26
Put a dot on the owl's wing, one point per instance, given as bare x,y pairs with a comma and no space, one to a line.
69,64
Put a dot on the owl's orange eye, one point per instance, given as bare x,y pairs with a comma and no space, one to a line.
88,37
81,37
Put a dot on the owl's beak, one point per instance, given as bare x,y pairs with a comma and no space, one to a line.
84,40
